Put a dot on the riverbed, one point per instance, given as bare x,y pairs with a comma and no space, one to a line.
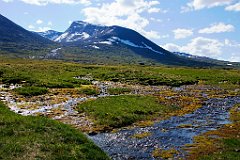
173,133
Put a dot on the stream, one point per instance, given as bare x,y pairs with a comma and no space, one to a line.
173,133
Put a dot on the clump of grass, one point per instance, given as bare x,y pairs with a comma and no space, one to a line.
142,135
41,138
31,91
56,85
119,111
88,91
165,154
144,123
117,91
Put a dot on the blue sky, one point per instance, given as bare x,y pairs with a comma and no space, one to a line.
199,27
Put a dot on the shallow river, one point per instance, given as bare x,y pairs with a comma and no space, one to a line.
171,133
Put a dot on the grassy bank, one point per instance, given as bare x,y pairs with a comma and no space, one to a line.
41,138
119,111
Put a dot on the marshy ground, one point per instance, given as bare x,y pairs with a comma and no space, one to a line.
132,112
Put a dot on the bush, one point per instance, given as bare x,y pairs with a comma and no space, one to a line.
17,79
31,91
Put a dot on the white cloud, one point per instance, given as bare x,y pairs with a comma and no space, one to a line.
38,29
49,23
43,29
199,46
234,7
181,33
172,47
124,13
231,43
217,28
201,4
234,48
155,19
156,10
7,1
31,26
227,50
39,21
204,47
46,2
235,57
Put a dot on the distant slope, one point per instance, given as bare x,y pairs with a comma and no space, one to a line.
14,38
50,34
207,59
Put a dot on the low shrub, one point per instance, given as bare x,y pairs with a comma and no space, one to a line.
31,91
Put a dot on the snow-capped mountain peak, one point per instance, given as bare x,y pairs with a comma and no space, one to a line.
84,34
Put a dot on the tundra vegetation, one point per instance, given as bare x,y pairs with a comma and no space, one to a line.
140,96
42,138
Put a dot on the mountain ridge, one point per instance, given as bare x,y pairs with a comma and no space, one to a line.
99,37
14,38
85,42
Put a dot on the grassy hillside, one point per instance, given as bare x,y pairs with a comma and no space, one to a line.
42,138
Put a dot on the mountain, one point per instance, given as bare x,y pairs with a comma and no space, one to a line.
115,39
88,43
14,38
207,59
50,34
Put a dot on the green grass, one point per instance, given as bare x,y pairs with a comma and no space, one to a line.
31,91
58,74
119,111
230,151
41,138
117,91
89,91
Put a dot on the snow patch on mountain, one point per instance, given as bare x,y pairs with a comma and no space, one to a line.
148,47
105,42
61,37
129,43
72,37
94,46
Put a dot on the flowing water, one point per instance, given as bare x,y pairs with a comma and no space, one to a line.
173,133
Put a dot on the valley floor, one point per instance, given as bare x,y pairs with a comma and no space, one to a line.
198,109
126,118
